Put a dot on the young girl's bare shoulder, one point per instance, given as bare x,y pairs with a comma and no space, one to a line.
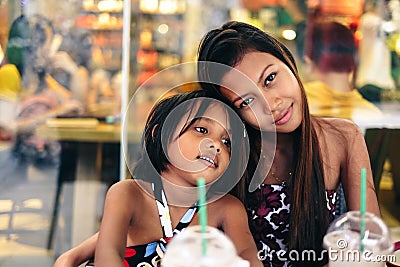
129,189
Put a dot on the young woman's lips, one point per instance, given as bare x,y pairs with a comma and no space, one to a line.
285,116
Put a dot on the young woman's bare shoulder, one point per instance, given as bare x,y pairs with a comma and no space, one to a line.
228,198
227,204
337,127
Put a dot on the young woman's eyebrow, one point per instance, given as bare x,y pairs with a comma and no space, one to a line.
263,72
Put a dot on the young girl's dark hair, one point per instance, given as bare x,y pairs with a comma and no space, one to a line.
160,127
309,215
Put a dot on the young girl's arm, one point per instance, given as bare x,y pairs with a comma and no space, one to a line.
110,249
235,226
79,254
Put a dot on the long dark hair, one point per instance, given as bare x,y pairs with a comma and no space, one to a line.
309,215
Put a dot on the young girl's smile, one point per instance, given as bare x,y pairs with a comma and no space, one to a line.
200,147
268,95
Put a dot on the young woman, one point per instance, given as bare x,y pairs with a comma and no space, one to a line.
186,137
292,206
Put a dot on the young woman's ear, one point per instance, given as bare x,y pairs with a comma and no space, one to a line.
309,64
310,68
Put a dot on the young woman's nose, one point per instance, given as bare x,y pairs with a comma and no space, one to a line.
274,104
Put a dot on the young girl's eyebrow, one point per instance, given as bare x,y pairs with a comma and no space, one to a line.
208,120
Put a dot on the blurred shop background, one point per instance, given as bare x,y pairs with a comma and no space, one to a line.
73,71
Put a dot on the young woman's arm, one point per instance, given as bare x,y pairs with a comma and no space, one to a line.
356,159
79,254
110,249
235,225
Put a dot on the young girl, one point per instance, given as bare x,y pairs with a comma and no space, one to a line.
186,137
291,208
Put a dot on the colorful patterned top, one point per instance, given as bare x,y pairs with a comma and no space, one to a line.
149,255
268,210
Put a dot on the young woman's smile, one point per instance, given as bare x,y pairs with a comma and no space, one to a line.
285,116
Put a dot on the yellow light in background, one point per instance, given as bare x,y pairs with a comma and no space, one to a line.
110,5
88,4
289,34
145,39
358,35
104,18
163,28
148,6
168,6
393,42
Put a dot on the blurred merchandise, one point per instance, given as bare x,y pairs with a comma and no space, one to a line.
338,7
104,20
259,4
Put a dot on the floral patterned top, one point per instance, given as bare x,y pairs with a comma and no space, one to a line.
268,210
149,255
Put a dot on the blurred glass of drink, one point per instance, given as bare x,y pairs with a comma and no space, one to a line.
187,250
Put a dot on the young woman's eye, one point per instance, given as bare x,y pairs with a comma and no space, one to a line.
201,130
269,78
246,102
227,142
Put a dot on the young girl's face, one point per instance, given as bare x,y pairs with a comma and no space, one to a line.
202,151
270,96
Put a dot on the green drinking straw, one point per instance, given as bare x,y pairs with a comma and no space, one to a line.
201,189
362,206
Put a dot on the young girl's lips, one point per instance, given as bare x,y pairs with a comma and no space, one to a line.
210,161
285,116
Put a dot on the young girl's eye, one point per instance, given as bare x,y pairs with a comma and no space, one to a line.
227,142
201,130
246,102
269,78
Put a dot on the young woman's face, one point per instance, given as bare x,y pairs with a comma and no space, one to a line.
269,97
203,150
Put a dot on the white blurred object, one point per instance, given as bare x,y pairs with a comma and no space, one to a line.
61,13
1,53
394,6
185,250
374,55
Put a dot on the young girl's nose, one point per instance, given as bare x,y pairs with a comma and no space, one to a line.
216,148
